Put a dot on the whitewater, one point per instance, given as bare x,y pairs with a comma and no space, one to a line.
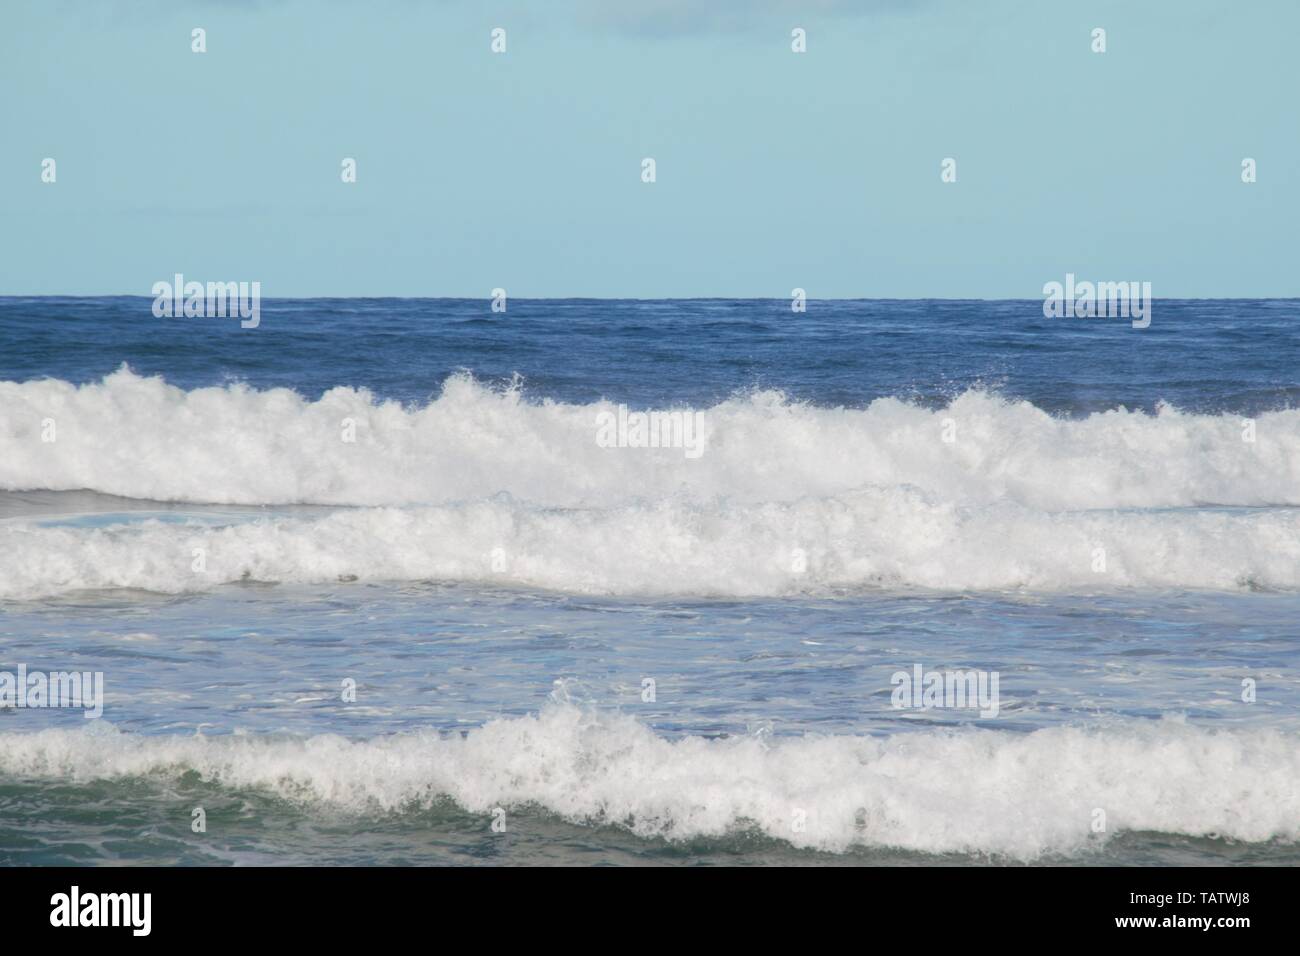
1019,796
483,485
140,437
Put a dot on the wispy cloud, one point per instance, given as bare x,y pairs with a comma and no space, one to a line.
700,16
640,17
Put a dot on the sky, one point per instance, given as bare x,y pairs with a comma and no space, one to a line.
775,170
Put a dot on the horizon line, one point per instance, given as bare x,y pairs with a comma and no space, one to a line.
665,298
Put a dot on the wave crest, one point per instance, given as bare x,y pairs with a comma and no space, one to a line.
142,438
969,791
874,538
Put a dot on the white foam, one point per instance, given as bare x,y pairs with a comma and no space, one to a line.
873,538
870,498
973,791
141,438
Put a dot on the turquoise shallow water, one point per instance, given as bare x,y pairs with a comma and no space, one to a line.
139,825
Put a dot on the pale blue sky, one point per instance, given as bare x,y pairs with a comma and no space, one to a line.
775,170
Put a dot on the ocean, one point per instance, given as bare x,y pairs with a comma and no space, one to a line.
379,582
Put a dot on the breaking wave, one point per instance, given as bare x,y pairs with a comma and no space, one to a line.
142,438
871,539
1019,795
787,498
